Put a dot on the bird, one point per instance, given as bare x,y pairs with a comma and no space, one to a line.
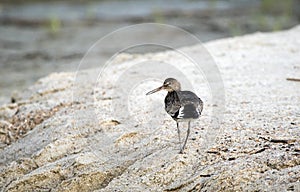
181,105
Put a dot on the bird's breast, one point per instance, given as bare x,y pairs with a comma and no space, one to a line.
172,103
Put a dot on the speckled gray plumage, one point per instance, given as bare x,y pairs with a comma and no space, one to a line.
186,102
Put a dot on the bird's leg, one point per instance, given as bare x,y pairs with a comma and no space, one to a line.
178,131
187,135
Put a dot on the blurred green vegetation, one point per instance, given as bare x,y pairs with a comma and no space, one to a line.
282,7
281,11
158,16
271,15
235,29
265,15
54,25
91,12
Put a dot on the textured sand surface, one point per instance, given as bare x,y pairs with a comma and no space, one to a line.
55,140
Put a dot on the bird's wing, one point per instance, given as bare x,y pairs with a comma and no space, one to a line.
188,97
188,111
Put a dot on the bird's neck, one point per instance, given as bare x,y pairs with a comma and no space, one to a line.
172,93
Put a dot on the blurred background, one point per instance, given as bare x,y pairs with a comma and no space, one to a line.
38,37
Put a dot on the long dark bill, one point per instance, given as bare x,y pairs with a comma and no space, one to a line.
155,90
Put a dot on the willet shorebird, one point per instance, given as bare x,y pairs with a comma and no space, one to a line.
180,105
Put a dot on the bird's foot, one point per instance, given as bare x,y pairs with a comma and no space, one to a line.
181,151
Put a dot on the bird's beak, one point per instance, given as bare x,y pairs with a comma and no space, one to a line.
155,90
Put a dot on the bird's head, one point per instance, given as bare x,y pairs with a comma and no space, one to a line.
170,84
